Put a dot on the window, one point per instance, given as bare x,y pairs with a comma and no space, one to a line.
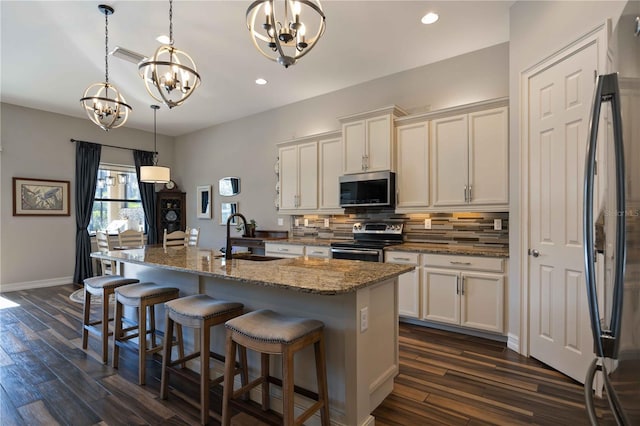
117,204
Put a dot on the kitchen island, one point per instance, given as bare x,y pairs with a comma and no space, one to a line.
357,301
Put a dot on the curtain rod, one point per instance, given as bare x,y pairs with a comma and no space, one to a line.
110,146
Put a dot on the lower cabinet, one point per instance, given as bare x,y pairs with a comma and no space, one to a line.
408,283
318,251
455,293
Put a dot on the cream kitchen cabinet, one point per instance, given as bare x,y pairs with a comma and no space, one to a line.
464,291
408,283
469,159
318,251
330,154
283,250
368,140
298,178
412,179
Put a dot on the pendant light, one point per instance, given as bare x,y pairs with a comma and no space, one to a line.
170,76
155,173
102,102
283,36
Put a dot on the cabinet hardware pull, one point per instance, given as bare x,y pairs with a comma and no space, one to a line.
466,199
401,258
457,285
316,252
455,262
462,287
283,249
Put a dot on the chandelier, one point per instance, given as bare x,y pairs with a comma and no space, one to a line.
155,173
102,102
170,76
285,39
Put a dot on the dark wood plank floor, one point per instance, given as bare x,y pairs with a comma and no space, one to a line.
445,378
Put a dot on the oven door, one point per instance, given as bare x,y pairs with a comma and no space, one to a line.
367,255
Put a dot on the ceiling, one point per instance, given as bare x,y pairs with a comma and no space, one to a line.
53,50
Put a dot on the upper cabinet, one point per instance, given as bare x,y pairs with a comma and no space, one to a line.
368,140
412,179
308,174
470,160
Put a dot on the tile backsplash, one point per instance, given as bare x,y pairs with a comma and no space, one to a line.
461,227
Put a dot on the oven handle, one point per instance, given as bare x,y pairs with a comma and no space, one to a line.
357,251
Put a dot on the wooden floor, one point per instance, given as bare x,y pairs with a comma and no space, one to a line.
445,378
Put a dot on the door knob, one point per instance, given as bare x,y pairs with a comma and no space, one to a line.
534,253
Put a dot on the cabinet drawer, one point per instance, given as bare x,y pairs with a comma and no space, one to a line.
463,262
402,257
318,251
284,249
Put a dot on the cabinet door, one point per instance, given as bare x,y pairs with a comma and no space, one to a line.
378,155
308,176
408,283
489,157
330,170
413,165
288,177
318,251
482,301
440,299
283,250
449,165
353,135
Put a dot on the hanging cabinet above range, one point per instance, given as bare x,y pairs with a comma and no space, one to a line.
368,140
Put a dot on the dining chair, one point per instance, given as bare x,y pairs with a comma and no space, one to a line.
193,236
175,238
130,238
108,267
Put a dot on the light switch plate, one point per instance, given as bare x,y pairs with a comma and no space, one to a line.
497,224
427,224
306,222
297,222
280,221
326,223
364,319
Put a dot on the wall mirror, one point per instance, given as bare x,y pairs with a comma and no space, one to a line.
226,210
203,203
228,186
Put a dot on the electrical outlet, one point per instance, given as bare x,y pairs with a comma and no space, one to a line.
427,224
306,222
364,319
297,222
497,224
326,223
280,221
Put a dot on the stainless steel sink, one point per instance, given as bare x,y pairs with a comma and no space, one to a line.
254,257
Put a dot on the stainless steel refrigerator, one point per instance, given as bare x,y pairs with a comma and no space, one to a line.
612,226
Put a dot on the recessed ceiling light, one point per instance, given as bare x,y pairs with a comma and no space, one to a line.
430,18
261,81
163,39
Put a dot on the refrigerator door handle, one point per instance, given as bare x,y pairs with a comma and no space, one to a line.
605,342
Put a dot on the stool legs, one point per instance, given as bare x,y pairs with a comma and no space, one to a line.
142,342
85,318
229,366
166,357
321,375
117,332
287,387
205,340
264,368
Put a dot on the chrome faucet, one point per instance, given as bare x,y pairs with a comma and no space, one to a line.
227,251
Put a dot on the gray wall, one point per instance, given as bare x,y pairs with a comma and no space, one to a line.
247,147
537,30
35,144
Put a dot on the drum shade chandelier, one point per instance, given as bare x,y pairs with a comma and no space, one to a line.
155,173
285,39
102,102
170,76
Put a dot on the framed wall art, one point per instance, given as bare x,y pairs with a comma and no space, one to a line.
203,197
40,197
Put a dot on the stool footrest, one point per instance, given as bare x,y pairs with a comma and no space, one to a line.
297,389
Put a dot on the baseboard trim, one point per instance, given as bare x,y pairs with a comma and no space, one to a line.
513,342
462,330
26,285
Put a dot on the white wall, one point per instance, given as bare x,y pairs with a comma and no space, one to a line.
537,30
247,147
35,144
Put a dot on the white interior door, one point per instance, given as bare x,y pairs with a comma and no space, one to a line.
559,108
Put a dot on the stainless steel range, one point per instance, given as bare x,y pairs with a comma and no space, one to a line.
369,241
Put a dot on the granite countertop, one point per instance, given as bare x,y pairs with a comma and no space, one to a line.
310,275
437,248
460,249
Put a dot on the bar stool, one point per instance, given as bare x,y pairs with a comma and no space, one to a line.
103,286
142,296
268,332
203,312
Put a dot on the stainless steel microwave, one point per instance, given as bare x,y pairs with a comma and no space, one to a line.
376,189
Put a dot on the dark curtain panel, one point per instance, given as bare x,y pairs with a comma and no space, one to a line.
87,164
147,195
